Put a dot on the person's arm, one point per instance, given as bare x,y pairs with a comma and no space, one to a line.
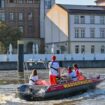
59,70
49,65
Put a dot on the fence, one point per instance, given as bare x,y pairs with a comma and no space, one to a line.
47,57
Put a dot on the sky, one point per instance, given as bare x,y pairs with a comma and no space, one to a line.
77,2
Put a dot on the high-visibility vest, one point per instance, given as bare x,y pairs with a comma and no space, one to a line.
80,77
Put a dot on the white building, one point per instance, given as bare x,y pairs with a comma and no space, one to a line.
75,29
45,5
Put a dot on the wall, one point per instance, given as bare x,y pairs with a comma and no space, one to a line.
9,62
47,57
81,64
56,27
97,41
85,64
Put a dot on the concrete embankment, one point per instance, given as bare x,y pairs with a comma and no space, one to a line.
81,64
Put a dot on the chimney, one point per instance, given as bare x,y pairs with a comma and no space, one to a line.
100,2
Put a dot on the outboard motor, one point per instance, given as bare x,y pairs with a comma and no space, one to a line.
22,88
23,92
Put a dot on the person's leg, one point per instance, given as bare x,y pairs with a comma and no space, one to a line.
53,80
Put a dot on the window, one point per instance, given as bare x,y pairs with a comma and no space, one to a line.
1,3
76,49
83,49
102,49
30,29
76,19
47,4
21,28
30,16
2,17
92,33
11,16
79,32
82,19
82,30
11,1
20,16
79,19
76,32
20,1
102,20
102,32
92,19
92,49
30,1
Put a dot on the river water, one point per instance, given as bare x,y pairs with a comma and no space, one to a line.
8,90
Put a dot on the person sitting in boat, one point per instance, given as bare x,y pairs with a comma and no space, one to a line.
75,67
33,77
79,74
72,74
53,70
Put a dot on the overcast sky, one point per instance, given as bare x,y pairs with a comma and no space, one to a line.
77,2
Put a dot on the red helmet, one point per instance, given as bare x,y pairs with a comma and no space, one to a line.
53,57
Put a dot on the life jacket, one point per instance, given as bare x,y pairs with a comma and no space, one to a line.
81,77
43,82
77,71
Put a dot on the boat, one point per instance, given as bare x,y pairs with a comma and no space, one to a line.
63,89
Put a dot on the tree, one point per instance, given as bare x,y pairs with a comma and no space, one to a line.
8,35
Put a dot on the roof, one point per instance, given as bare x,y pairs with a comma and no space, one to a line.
85,9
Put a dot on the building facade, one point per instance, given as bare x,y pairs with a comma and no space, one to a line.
24,14
45,5
75,29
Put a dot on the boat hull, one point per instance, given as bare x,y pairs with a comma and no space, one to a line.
57,91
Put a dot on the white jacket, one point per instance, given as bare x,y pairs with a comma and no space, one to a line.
73,75
53,68
32,80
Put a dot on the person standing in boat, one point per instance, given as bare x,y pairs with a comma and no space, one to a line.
33,77
54,70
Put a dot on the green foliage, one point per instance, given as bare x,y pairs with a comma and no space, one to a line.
8,35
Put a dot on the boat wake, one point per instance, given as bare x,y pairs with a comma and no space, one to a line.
92,97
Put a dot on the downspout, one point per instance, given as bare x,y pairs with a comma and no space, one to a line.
68,34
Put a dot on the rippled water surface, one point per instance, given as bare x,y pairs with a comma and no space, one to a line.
8,90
